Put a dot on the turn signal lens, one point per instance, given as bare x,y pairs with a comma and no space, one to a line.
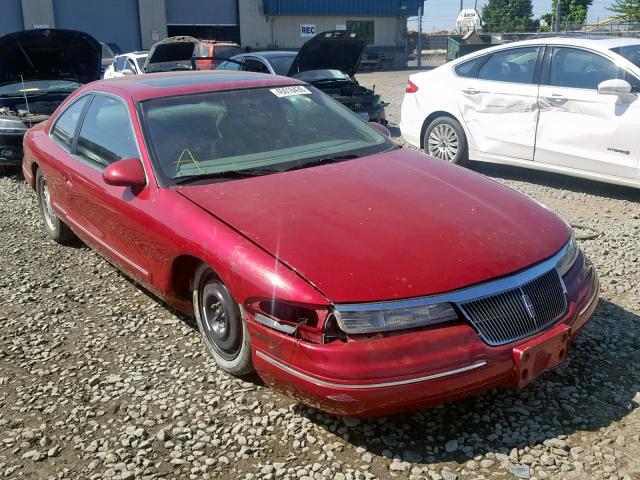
369,321
411,87
571,251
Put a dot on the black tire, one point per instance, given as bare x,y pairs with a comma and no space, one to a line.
221,324
53,226
444,139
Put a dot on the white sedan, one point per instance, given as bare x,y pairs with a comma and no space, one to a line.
126,64
565,105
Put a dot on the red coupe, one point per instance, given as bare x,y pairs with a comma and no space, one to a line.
358,276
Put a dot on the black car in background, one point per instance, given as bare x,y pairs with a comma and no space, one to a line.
329,62
38,70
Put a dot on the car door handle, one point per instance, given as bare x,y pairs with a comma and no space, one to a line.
556,99
470,91
66,177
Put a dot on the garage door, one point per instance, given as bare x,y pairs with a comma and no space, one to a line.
10,16
115,21
199,12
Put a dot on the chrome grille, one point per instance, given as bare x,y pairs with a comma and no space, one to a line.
519,312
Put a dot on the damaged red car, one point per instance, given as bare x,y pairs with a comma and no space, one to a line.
360,277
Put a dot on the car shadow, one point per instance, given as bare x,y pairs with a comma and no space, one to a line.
595,389
556,180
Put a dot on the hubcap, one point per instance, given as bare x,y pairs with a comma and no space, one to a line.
443,142
220,329
47,210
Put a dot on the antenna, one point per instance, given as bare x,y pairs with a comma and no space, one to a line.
24,93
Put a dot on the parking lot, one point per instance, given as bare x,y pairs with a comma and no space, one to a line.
100,380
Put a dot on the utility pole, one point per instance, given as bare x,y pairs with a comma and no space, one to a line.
420,37
556,27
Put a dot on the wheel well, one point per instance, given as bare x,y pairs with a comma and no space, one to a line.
34,172
182,272
430,119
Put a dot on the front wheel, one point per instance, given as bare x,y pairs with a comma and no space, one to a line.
445,139
220,323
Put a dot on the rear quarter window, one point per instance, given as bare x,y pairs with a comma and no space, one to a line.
470,68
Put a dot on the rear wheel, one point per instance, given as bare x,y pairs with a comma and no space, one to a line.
445,139
220,323
53,226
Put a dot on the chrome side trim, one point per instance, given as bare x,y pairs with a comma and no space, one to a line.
101,242
396,383
475,292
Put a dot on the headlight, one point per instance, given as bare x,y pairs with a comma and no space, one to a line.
383,320
569,256
12,125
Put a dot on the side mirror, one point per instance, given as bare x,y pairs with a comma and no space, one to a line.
614,87
127,172
381,128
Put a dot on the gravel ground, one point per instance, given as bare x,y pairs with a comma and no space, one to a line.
99,380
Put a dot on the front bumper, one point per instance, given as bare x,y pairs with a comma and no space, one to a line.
11,149
373,113
394,373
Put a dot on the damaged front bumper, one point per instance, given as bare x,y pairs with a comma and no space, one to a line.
430,366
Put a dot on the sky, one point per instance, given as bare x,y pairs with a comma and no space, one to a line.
441,14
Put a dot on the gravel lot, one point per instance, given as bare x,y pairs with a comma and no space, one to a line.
99,380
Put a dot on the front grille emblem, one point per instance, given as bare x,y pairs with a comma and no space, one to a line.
528,305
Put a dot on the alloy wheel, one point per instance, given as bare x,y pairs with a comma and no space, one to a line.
47,209
442,142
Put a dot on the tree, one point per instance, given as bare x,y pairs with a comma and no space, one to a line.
507,16
573,13
628,9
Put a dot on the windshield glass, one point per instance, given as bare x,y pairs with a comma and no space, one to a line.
281,65
37,87
320,75
630,52
270,129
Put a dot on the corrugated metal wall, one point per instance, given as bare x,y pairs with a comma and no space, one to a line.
10,16
391,8
260,31
199,12
113,21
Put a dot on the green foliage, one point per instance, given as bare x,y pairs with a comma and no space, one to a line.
628,9
507,16
573,13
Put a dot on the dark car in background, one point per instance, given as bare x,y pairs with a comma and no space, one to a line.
187,53
329,62
38,70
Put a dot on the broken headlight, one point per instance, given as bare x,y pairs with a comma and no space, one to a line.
367,319
569,257
12,125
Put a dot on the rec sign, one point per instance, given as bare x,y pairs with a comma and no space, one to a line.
307,30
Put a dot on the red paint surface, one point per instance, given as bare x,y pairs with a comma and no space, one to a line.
393,225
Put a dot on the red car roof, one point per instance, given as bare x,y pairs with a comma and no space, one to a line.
153,85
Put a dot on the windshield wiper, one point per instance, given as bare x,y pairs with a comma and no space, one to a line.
230,175
320,161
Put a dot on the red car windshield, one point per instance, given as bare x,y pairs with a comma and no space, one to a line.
259,130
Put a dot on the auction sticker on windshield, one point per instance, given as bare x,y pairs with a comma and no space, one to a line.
288,91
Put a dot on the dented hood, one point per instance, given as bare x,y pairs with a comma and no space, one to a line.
388,226
49,54
333,50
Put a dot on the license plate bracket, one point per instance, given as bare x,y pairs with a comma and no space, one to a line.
541,354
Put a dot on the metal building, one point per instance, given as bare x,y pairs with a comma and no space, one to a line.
256,24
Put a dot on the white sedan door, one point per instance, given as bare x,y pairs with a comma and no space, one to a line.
580,128
500,104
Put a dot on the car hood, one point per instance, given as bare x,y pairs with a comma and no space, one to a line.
170,54
333,50
49,54
388,226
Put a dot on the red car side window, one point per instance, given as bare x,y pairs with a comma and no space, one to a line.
67,123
